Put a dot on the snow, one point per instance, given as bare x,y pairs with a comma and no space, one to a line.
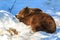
58,13
8,21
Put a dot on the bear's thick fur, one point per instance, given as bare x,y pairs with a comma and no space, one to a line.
37,19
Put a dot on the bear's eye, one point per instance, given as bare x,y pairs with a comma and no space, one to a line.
26,12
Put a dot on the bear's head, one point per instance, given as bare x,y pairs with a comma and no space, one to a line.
27,11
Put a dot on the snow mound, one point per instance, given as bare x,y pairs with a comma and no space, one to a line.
12,29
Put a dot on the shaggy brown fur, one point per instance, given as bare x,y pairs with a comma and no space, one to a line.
37,19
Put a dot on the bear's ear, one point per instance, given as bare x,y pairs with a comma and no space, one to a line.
26,8
26,11
37,10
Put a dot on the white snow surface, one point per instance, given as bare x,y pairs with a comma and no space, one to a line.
7,21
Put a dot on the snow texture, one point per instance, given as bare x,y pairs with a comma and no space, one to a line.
7,21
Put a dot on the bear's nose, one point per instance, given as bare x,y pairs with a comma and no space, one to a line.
15,15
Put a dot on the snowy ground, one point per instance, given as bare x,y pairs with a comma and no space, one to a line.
8,23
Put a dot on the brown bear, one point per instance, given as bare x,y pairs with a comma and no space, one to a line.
37,19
